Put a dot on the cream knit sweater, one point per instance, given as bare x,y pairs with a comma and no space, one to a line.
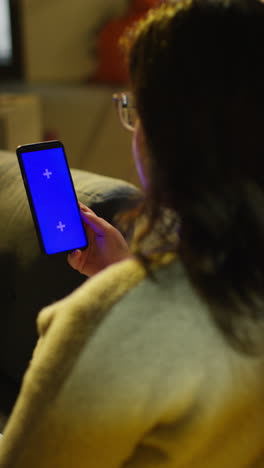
132,372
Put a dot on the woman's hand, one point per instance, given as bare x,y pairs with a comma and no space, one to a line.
106,245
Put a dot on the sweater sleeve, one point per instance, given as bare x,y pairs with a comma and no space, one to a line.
75,409
88,420
95,386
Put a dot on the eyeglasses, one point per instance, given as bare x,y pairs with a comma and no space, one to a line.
126,109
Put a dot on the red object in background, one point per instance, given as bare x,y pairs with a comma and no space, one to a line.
143,5
111,65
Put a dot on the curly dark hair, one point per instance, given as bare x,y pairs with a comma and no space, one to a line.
197,74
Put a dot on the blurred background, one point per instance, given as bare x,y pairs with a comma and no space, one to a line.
60,63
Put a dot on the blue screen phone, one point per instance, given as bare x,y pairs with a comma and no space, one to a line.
52,197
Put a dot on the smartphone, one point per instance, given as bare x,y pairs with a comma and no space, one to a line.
52,197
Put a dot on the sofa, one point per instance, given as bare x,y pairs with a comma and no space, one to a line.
31,280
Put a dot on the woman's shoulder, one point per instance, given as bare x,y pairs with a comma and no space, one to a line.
94,297
124,286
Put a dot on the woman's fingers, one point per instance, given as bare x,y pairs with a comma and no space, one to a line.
85,208
99,225
74,259
106,245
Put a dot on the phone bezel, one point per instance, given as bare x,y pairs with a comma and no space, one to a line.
33,147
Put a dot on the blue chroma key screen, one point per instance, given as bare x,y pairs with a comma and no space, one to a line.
54,200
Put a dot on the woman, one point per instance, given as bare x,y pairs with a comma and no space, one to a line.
158,359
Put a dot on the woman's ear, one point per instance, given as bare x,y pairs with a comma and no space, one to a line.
141,153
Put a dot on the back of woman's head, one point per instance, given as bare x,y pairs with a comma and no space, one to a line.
197,72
